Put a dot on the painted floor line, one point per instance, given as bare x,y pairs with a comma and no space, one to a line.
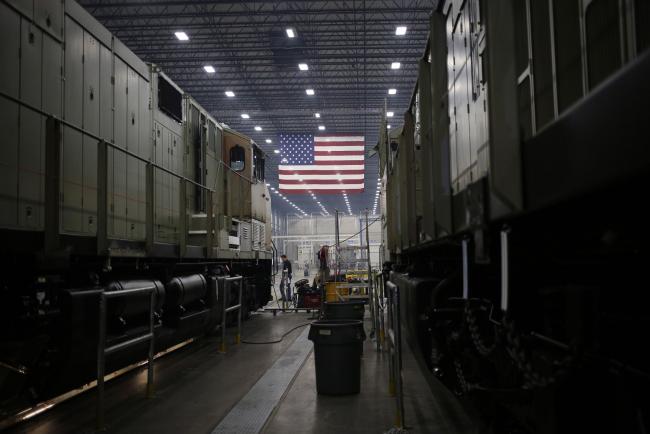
250,414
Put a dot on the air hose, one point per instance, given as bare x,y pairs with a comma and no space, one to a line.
275,341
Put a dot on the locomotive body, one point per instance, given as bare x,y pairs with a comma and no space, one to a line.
514,224
112,178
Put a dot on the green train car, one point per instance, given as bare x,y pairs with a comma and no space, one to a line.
112,178
514,196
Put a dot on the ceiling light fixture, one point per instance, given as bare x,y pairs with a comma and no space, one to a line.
276,151
245,116
303,67
317,115
182,36
269,141
395,65
321,127
209,69
291,32
400,30
258,128
390,114
229,93
310,92
392,91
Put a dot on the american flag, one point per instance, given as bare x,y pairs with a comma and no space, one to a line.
321,164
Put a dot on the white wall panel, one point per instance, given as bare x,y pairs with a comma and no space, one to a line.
8,162
24,6
49,14
9,50
91,122
133,145
51,76
72,151
9,114
119,158
30,164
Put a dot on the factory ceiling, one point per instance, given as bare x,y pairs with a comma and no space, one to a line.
353,53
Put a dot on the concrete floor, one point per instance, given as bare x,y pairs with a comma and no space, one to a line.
373,410
196,387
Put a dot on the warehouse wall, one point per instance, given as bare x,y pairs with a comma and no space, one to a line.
304,236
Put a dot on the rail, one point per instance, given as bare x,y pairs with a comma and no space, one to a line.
103,352
226,283
395,351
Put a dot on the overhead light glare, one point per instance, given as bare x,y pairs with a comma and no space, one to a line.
182,36
388,127
400,30
317,115
258,128
230,93
392,91
209,69
310,91
245,116
390,114
276,151
303,67
291,32
269,141
321,127
395,65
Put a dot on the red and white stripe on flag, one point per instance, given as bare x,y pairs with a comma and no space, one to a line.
339,166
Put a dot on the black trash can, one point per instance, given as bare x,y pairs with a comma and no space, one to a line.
345,309
337,351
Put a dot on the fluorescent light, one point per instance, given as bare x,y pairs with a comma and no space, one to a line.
388,127
309,91
317,115
291,33
229,93
276,151
258,128
390,114
269,141
321,127
392,91
303,67
245,116
209,69
395,65
182,36
400,30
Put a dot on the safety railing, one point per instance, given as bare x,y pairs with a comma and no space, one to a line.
226,283
395,351
103,352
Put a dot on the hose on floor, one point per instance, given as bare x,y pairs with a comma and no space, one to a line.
275,341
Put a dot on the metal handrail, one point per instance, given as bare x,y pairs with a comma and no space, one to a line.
104,142
102,139
395,345
226,284
102,351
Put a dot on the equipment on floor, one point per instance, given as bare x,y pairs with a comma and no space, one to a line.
344,310
337,353
308,297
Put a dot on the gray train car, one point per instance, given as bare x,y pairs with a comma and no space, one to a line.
518,241
112,178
